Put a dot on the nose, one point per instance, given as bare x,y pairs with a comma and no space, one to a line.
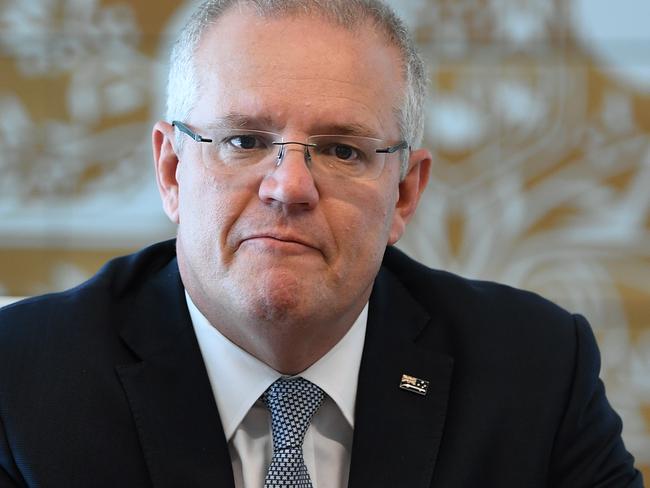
290,182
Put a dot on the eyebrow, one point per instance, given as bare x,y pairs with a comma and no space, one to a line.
351,129
241,121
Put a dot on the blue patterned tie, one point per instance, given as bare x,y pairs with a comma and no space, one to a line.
292,403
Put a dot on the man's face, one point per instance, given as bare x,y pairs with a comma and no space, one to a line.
278,247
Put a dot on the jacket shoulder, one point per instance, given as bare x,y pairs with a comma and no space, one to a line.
484,321
112,287
428,285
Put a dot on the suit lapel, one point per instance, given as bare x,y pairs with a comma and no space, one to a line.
397,433
169,391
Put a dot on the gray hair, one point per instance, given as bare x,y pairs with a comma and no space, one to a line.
183,84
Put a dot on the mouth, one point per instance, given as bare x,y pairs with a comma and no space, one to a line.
279,242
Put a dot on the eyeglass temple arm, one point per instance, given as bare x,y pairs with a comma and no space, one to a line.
185,129
395,148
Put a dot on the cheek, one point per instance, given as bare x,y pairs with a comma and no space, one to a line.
196,195
208,206
364,220
379,204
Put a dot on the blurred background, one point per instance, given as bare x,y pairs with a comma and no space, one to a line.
538,117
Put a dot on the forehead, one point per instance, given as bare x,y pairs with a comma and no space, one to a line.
299,71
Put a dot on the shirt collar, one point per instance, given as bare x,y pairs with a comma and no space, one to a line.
238,379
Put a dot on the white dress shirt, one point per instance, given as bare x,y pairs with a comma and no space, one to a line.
238,380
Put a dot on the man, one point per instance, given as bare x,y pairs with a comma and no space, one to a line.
289,161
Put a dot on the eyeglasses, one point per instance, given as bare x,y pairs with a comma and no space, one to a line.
229,150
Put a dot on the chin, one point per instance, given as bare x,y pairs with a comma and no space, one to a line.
278,297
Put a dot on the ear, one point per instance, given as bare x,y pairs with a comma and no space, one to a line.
410,190
165,161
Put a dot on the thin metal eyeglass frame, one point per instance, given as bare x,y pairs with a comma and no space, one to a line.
198,138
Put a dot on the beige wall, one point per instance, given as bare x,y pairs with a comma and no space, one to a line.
539,119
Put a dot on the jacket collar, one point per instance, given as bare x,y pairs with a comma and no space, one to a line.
397,432
168,389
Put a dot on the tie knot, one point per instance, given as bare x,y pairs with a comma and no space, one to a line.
292,402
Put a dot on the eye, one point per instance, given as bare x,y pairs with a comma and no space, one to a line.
345,152
246,141
342,150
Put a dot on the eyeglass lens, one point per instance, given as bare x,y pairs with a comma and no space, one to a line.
326,155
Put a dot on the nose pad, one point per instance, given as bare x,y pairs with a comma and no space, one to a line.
290,185
282,151
278,161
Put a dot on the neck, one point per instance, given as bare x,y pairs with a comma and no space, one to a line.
289,345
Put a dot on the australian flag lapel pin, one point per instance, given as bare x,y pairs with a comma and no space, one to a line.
416,385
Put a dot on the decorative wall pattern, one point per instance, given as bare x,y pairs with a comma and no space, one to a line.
76,94
539,118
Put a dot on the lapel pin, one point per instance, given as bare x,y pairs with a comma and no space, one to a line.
416,385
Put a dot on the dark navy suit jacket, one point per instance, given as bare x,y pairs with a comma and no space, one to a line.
104,386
